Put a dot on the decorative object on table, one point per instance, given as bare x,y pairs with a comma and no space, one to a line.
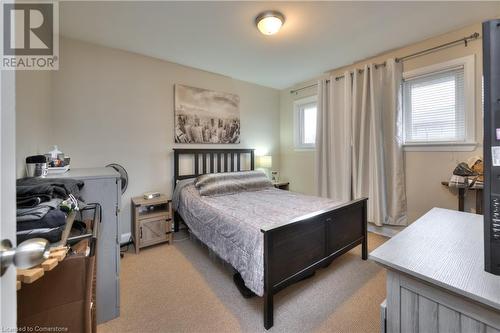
468,174
468,177
36,166
476,164
151,195
151,221
463,169
206,116
57,161
55,153
275,176
464,175
123,175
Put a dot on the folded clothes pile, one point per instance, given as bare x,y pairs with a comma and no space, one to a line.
33,191
38,201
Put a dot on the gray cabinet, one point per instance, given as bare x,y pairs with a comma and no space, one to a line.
416,306
102,185
436,280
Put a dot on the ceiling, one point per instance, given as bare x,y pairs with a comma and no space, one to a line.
221,37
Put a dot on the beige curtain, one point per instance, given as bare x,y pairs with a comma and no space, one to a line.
359,141
377,152
333,139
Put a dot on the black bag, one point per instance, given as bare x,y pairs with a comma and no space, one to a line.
462,169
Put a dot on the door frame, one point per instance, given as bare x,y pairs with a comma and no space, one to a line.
8,294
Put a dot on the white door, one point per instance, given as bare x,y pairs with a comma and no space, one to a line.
8,299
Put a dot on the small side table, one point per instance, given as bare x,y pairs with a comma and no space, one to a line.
151,221
282,185
461,196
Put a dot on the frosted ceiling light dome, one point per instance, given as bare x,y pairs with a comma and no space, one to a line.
269,22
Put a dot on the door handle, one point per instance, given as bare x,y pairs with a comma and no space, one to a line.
29,253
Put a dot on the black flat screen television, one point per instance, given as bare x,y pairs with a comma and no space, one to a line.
491,73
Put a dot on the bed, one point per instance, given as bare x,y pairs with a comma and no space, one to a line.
272,237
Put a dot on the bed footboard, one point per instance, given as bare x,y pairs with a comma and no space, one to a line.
294,250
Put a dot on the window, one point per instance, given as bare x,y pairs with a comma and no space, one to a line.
305,122
438,106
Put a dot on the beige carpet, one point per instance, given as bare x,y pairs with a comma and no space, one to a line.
181,288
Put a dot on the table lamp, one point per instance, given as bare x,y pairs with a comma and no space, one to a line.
265,162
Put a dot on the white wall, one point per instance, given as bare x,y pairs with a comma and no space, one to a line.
424,170
108,105
33,115
115,106
297,165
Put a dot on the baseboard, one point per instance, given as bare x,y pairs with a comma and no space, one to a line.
125,238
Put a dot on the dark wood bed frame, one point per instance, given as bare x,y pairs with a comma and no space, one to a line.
296,249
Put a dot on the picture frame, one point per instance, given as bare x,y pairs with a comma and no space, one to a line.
205,116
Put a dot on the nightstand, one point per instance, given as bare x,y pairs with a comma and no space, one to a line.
151,221
282,185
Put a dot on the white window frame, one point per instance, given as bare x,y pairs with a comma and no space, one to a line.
469,143
298,134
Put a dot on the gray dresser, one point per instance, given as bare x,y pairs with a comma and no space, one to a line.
102,185
435,277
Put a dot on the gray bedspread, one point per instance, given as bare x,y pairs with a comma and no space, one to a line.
231,225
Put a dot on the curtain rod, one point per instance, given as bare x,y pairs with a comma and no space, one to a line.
359,71
336,79
464,40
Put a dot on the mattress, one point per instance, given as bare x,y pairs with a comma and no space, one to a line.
230,225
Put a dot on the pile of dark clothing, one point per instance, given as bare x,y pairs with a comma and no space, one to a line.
38,201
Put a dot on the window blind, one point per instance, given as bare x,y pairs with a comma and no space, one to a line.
434,107
307,124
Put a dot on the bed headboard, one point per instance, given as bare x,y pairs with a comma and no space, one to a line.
212,161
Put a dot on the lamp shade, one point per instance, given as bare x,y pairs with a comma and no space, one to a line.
265,161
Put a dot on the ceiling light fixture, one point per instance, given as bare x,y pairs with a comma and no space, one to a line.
269,22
